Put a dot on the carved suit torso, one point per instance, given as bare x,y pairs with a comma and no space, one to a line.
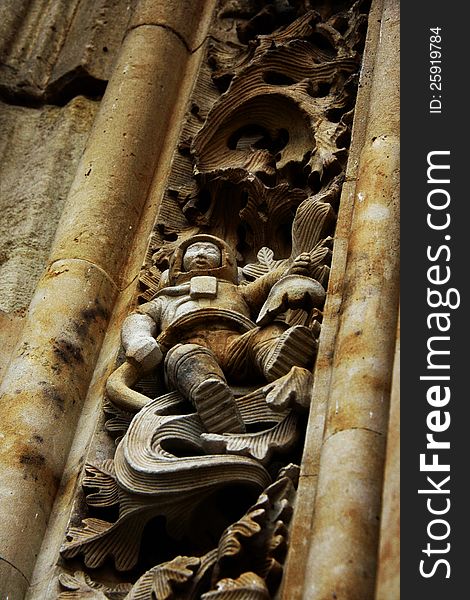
173,303
204,296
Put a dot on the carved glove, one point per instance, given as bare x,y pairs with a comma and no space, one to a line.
301,265
141,347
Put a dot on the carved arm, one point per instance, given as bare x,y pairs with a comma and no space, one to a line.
301,265
257,292
138,338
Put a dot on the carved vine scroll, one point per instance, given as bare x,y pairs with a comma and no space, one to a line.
208,404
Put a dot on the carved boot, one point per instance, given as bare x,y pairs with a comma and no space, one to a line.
194,372
296,347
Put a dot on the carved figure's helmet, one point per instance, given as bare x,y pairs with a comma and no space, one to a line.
227,270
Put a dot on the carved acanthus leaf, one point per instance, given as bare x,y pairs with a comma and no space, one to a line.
248,586
266,259
179,579
291,391
97,540
166,581
119,420
265,264
258,541
314,221
80,586
104,481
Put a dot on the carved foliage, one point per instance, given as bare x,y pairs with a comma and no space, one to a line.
269,127
80,586
149,477
246,564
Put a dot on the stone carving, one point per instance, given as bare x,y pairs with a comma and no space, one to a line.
80,586
209,401
246,564
199,329
204,333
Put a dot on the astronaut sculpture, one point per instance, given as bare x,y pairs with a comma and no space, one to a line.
223,348
200,325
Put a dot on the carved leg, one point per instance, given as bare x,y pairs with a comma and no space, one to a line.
194,372
277,350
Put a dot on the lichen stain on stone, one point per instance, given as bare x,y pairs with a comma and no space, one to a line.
24,349
50,393
32,458
324,361
56,272
32,461
353,344
67,351
87,317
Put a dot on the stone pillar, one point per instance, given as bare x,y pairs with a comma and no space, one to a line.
388,572
47,380
336,524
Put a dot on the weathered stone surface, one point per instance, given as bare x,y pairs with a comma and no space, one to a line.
42,395
10,328
146,53
208,338
44,582
112,180
356,352
50,49
342,560
388,572
117,169
39,151
360,383
184,18
236,184
13,580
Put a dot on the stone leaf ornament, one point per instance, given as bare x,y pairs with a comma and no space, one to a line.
145,479
247,564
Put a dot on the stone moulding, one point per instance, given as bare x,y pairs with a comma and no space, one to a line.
73,48
348,430
257,179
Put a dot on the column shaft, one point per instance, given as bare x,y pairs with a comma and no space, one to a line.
46,383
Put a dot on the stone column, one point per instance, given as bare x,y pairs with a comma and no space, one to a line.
336,525
388,571
47,380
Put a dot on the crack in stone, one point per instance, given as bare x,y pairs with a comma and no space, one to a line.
92,264
168,28
16,569
352,429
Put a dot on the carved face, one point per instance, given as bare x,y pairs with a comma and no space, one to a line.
201,255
